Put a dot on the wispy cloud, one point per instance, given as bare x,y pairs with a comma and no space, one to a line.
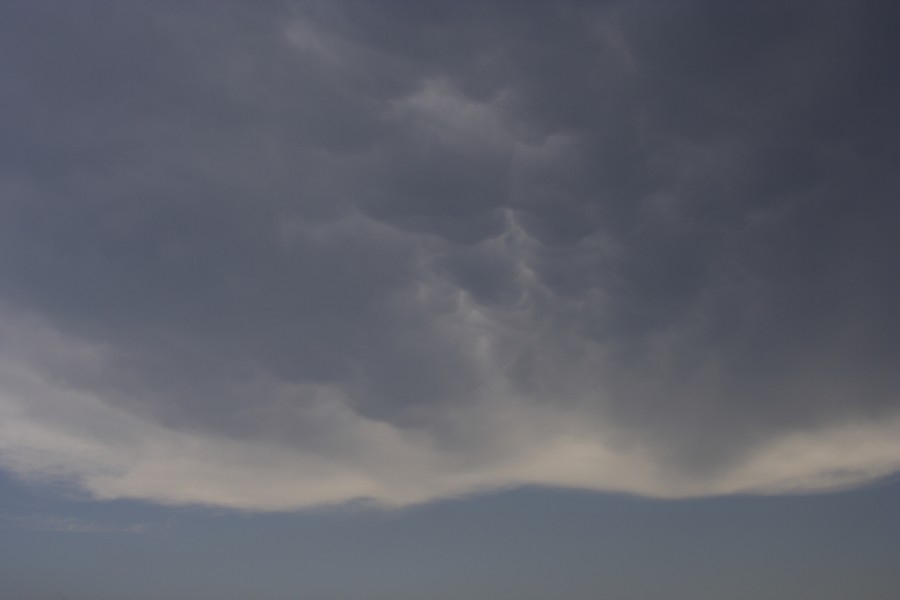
64,524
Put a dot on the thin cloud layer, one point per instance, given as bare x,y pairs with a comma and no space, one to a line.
284,256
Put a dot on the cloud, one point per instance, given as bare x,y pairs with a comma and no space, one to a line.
60,524
286,258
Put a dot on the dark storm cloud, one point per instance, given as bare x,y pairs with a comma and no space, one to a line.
403,250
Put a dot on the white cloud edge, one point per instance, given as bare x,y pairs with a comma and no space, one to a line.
48,431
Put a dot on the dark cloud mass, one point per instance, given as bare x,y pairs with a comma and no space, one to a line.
272,255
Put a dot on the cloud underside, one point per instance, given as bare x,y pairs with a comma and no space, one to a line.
52,433
393,469
297,257
142,460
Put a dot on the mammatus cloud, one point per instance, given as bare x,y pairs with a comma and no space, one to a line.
289,257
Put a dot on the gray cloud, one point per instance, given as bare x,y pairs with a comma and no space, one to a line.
62,524
272,257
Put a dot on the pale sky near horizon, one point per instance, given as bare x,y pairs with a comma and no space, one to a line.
396,299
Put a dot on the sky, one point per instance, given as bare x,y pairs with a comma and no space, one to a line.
464,300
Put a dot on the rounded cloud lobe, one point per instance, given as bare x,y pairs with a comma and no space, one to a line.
314,254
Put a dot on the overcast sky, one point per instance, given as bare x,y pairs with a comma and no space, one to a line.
269,257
